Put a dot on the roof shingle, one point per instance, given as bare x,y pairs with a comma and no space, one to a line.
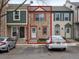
60,8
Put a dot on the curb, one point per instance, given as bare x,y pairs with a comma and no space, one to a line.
68,44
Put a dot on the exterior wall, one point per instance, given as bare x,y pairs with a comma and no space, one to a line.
68,4
76,18
40,25
73,8
78,15
46,10
16,23
62,25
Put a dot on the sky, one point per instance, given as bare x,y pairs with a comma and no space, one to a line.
47,2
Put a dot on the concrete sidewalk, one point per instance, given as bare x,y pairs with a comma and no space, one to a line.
72,41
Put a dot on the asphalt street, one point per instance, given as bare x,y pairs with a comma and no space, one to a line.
24,52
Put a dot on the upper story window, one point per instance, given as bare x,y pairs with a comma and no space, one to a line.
16,15
66,16
57,16
71,6
39,17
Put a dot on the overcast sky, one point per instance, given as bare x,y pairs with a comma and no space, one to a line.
47,2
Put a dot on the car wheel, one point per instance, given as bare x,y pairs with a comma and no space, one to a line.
49,48
64,49
14,46
8,49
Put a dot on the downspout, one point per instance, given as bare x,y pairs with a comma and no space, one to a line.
73,26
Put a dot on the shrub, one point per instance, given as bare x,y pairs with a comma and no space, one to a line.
41,40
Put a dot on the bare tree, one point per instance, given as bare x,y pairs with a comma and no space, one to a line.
3,4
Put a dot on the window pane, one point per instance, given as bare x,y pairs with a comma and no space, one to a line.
45,30
57,16
57,29
2,39
67,30
39,17
33,30
16,15
66,16
14,31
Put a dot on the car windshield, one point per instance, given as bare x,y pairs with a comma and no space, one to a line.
1,39
57,39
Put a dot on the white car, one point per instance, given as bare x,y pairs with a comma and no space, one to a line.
7,43
56,42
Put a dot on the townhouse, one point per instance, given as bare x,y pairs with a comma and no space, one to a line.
62,20
17,21
40,22
75,7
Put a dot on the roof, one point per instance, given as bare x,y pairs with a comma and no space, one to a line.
39,8
75,3
14,6
60,8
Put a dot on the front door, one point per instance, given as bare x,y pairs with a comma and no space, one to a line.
21,32
18,31
33,32
68,32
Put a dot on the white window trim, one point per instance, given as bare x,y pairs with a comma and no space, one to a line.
14,16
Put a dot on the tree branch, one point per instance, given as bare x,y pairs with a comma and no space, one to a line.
20,5
4,4
1,5
15,9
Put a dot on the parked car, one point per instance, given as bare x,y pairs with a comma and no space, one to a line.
7,43
56,41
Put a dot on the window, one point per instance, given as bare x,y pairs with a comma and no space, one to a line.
71,6
44,30
2,39
57,29
33,30
9,39
14,31
39,17
66,16
57,16
67,30
16,15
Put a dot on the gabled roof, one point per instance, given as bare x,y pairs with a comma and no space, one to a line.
60,8
13,6
39,8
